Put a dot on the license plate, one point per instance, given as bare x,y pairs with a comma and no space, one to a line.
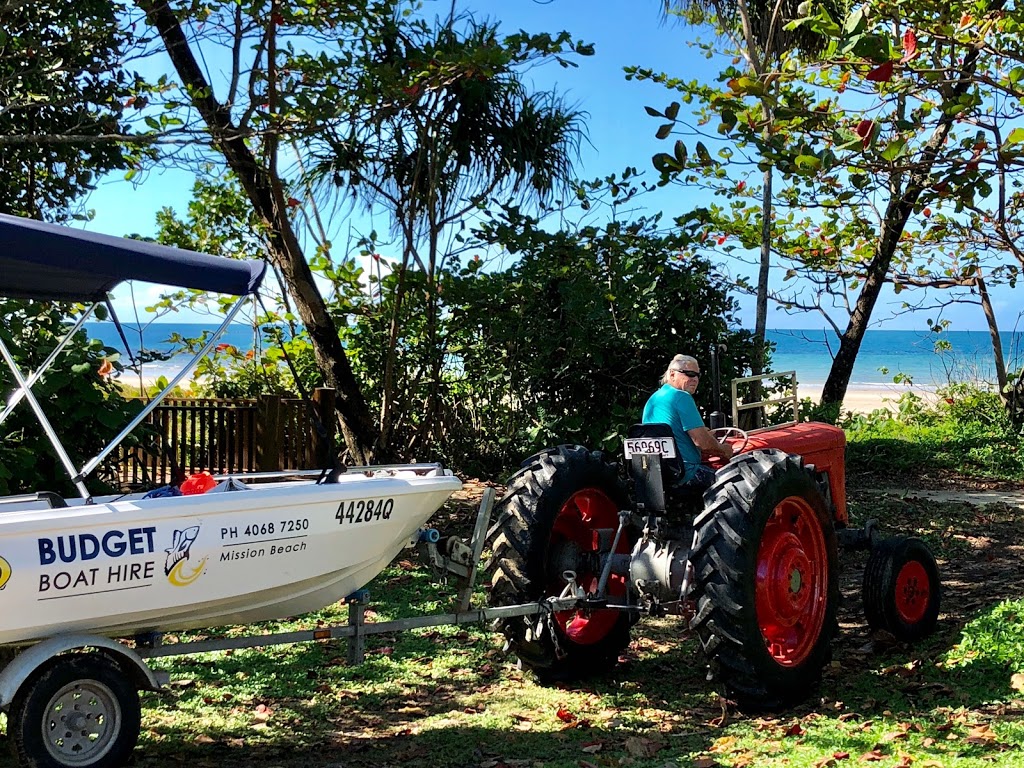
661,446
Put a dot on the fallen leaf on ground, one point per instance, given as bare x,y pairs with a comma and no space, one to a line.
893,735
705,762
565,715
723,744
873,756
641,747
593,747
981,734
794,730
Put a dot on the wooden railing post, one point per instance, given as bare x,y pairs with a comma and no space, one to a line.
269,433
324,401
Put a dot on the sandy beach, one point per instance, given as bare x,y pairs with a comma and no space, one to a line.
868,399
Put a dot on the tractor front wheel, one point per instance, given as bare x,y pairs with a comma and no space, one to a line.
547,523
765,568
902,588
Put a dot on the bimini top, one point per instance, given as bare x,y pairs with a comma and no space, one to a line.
53,263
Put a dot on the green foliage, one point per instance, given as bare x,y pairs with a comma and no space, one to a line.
61,77
995,638
966,431
568,344
85,409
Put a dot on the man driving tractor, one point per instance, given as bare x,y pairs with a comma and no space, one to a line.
673,404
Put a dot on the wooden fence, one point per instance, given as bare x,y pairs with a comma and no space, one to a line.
223,436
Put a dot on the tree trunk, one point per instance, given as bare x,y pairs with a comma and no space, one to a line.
997,342
354,415
896,215
761,308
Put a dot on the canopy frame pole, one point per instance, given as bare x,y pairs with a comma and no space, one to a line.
43,421
95,461
18,394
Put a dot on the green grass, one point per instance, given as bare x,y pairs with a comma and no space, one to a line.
449,696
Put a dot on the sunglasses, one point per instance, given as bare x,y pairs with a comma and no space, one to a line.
688,374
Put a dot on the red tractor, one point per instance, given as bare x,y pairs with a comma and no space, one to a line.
753,562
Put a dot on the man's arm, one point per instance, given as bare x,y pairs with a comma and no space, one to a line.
708,445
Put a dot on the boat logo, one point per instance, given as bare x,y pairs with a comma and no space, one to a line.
175,566
5,572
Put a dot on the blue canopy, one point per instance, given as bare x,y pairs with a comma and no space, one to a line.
45,261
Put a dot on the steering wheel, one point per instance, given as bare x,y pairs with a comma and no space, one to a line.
724,433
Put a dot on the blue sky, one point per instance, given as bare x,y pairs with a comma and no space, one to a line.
621,134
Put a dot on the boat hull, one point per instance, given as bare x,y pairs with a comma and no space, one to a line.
155,565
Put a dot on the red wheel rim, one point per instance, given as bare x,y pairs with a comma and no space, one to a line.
913,590
578,521
791,596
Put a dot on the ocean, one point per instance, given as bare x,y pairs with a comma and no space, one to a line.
883,355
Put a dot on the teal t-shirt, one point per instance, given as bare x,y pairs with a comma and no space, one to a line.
676,408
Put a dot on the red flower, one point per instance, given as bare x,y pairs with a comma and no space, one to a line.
927,212
721,239
106,368
740,187
292,202
881,74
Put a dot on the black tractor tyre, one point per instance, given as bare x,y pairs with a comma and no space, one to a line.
80,711
765,575
552,506
902,589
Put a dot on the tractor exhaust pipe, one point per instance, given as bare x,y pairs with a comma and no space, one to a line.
717,419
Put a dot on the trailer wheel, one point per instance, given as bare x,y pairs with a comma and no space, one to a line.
765,567
81,711
547,524
902,590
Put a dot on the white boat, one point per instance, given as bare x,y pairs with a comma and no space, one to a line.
134,565
245,552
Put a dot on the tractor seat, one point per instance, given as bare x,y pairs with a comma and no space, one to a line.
671,468
657,484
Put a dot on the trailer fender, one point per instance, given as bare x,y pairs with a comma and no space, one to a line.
28,661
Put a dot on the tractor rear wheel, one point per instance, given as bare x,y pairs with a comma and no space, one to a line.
902,588
547,523
765,567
